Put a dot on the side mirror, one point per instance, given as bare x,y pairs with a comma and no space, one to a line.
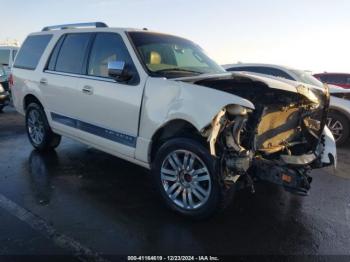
117,70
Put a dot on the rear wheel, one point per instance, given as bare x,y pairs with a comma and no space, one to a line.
39,132
185,176
339,126
1,109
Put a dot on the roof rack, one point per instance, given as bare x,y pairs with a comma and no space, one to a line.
71,26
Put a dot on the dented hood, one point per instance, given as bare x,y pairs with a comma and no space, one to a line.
272,82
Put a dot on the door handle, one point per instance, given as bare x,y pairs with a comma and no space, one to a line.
88,90
43,81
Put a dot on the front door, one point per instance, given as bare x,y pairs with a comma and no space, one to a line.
111,109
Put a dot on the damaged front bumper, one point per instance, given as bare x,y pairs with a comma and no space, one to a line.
244,166
281,140
292,172
326,153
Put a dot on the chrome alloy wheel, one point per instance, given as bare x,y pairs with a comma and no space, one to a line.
186,179
336,128
35,127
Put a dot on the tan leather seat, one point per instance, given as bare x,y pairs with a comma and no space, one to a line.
155,58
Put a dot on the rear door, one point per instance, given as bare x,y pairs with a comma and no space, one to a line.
60,79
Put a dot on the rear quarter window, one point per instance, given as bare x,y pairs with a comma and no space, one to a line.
31,51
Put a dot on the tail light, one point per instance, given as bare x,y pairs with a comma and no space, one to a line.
11,81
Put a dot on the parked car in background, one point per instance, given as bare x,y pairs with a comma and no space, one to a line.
339,115
338,79
159,101
4,88
7,57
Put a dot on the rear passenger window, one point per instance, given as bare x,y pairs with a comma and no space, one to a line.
72,53
31,51
53,58
107,47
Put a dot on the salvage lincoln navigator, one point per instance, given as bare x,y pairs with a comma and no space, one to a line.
159,101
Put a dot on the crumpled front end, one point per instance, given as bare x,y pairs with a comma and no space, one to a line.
281,141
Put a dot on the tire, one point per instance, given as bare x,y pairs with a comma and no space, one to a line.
339,126
38,130
1,109
186,181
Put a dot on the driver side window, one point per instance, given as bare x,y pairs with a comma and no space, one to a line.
108,47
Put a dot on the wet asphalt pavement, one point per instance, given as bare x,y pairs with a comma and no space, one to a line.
109,206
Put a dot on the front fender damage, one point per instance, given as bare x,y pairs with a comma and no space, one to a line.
233,137
224,137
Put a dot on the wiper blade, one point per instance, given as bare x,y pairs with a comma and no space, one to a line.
178,70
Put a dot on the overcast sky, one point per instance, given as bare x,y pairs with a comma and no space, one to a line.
311,35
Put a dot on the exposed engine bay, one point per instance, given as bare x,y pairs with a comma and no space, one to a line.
280,141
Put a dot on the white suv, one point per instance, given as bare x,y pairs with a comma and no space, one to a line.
7,57
158,101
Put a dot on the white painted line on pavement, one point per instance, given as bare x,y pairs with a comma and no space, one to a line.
79,251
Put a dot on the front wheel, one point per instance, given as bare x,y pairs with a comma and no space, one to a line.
185,176
39,132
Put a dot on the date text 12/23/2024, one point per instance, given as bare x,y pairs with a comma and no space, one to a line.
173,258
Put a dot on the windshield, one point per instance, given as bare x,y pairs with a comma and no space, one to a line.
170,56
307,78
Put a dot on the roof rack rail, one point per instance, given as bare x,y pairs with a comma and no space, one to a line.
71,26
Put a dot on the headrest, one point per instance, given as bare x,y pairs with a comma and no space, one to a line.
155,58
